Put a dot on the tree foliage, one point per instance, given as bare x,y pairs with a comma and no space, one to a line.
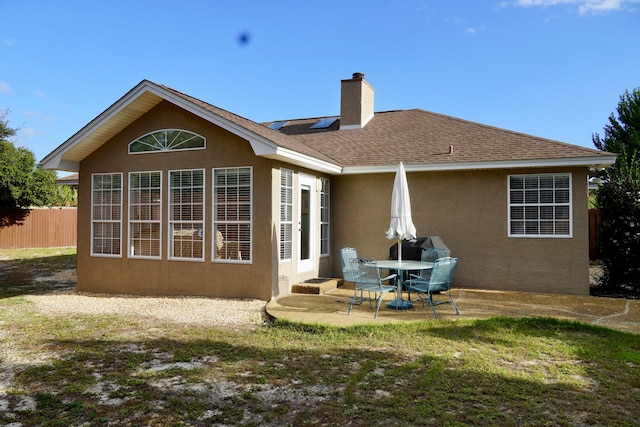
623,132
67,196
22,182
619,199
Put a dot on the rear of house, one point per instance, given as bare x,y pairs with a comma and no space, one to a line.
179,197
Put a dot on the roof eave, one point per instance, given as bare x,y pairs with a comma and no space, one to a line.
302,160
597,162
57,158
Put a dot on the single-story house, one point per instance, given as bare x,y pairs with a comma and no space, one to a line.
180,197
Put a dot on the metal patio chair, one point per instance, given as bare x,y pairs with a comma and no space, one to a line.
367,278
439,282
427,255
346,255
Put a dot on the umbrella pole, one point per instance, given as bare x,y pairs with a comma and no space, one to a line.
399,303
400,280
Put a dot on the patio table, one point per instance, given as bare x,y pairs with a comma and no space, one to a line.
401,266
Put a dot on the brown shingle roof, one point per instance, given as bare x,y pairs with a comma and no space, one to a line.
421,137
409,136
278,138
416,137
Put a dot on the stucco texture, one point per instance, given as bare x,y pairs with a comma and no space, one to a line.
468,210
175,277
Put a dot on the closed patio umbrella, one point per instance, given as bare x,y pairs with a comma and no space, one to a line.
401,227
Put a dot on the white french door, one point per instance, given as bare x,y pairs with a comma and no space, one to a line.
306,223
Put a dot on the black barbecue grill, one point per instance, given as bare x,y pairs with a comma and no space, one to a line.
412,249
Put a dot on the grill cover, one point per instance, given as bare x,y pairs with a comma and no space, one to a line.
412,249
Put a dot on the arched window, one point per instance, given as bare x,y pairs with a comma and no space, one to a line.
167,140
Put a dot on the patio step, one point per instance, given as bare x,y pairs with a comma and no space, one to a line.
316,286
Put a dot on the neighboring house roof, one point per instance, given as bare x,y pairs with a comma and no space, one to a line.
420,139
69,180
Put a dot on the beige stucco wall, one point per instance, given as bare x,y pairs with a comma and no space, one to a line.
164,277
468,210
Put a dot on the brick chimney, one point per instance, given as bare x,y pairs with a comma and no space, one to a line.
356,102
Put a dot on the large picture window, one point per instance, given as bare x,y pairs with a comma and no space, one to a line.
232,214
106,214
145,208
324,216
186,214
540,205
286,213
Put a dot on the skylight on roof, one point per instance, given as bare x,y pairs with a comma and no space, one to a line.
278,125
324,123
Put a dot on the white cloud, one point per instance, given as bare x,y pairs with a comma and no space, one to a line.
584,6
28,132
37,115
5,88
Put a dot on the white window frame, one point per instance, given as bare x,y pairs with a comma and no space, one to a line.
232,216
539,205
325,217
150,206
286,215
196,233
162,146
106,215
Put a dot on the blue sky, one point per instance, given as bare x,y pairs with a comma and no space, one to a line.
551,68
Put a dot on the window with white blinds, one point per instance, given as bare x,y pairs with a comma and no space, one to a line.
286,213
540,205
106,214
145,207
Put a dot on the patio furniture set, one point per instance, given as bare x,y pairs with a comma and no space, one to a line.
432,275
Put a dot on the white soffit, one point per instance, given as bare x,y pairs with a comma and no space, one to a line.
112,126
595,161
105,126
293,157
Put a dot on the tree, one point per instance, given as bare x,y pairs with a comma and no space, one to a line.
622,134
67,196
22,182
619,199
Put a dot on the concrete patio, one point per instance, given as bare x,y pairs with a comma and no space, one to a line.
326,308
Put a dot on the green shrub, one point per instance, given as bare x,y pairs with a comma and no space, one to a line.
619,200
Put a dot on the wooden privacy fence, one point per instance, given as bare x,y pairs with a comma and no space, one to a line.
38,228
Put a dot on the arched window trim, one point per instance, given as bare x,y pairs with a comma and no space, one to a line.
162,148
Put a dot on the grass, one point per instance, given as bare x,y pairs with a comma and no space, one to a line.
113,370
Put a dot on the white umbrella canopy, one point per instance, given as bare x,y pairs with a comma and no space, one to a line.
401,227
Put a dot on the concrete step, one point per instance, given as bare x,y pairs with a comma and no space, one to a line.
316,286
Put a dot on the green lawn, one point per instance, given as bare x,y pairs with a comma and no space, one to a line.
113,370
